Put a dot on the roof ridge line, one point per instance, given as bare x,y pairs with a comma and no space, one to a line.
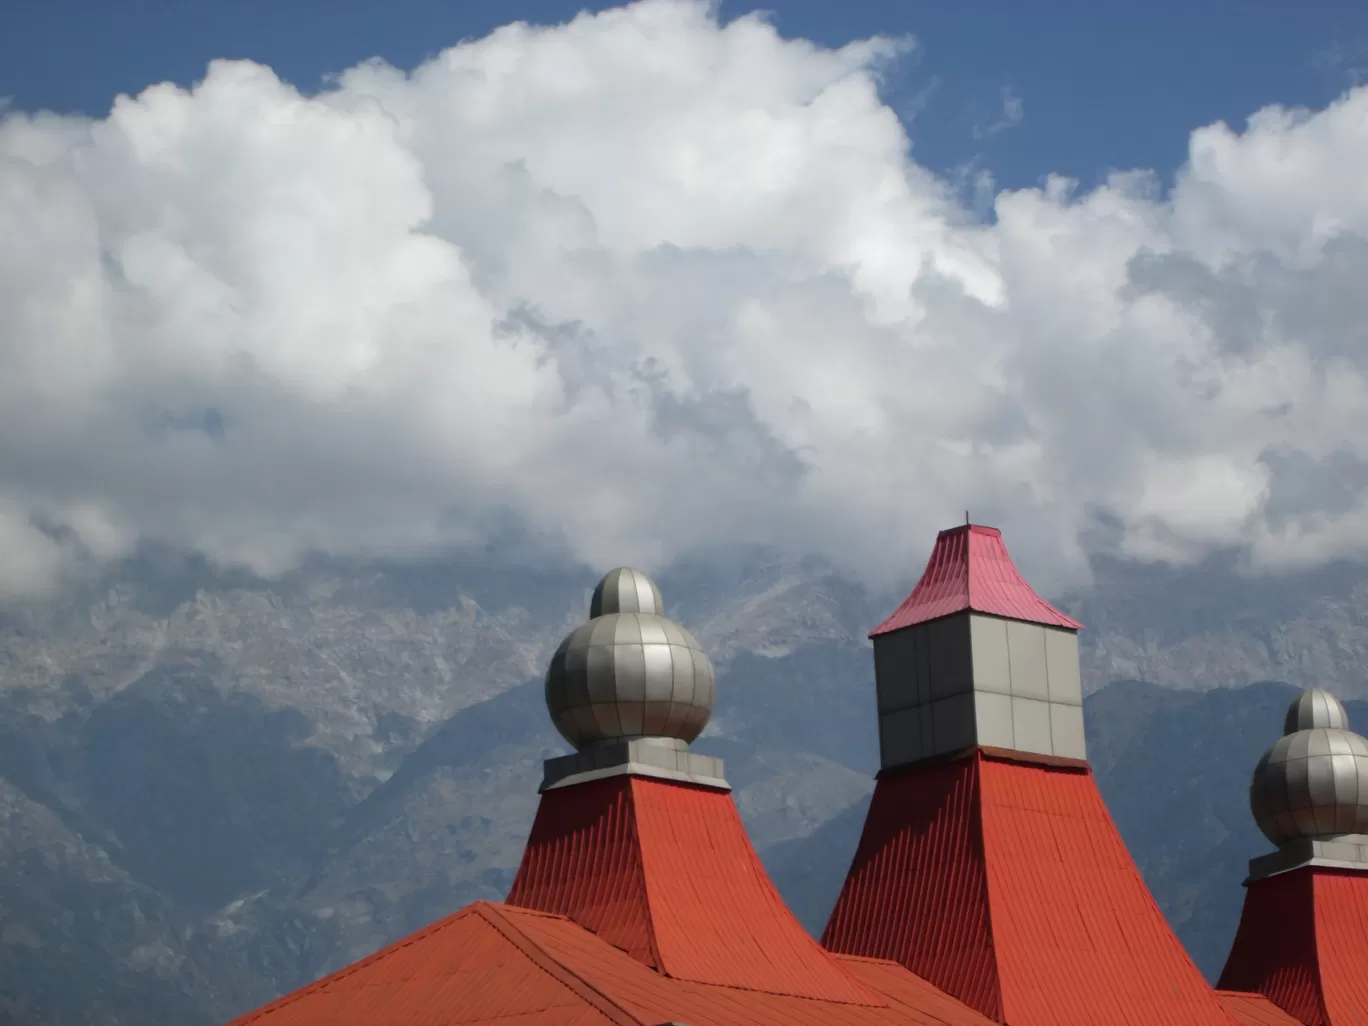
639,868
285,1000
978,838
547,963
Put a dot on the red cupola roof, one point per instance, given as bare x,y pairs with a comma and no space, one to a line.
1002,880
1303,944
970,570
665,872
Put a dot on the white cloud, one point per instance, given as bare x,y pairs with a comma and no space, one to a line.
653,284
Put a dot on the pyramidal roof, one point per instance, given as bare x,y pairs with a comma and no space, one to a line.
665,872
970,570
1003,881
1303,943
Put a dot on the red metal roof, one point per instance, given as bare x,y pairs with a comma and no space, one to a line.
1303,944
651,997
970,569
475,961
503,966
1006,884
1254,1009
665,872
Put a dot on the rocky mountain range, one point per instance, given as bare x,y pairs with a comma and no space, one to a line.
214,788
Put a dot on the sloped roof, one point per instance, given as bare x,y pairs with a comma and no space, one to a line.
1303,943
476,961
1254,1009
666,872
496,965
1006,884
970,569
652,998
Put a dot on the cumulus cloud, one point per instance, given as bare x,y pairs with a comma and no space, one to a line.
649,283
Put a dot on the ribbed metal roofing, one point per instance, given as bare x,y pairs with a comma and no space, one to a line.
497,965
1303,943
665,872
1006,884
476,962
1254,1009
970,569
651,998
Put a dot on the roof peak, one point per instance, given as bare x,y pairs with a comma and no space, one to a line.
1006,884
666,872
970,570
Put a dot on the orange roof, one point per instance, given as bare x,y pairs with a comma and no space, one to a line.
1303,944
476,961
1254,1009
665,872
970,569
503,966
1005,883
651,998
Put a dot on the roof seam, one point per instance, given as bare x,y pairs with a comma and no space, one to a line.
639,865
545,961
979,840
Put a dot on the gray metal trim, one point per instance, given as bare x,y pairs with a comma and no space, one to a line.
658,757
1348,851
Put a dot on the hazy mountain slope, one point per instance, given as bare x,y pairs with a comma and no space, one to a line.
1209,626
79,940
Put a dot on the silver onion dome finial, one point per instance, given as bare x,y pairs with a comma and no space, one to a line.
629,672
1313,782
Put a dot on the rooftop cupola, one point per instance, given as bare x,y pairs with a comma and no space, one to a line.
974,657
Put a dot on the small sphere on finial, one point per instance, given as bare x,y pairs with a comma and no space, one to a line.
1315,708
625,590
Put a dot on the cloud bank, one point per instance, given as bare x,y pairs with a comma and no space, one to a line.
649,284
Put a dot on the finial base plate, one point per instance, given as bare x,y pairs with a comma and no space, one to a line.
1347,851
660,757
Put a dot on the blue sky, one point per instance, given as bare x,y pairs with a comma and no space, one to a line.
1102,85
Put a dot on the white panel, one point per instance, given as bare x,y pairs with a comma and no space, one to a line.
1031,726
951,672
993,718
952,723
895,665
988,643
1026,651
1061,655
1066,731
900,737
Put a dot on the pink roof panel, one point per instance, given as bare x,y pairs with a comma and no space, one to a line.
970,570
